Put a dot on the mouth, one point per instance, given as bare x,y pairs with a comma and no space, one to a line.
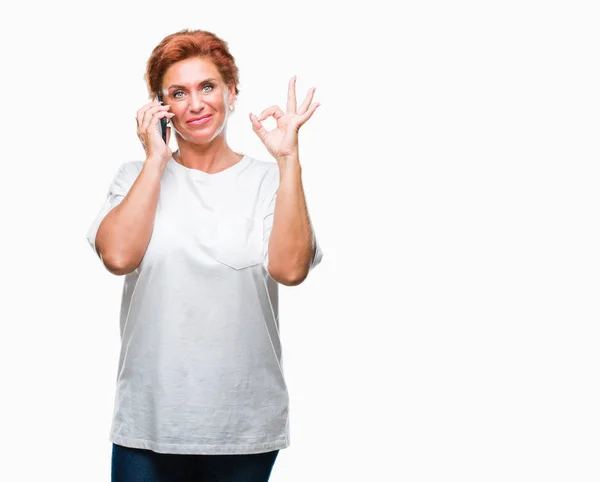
199,120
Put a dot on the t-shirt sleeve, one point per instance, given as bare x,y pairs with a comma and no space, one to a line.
119,187
268,227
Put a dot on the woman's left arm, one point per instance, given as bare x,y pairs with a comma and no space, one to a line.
292,242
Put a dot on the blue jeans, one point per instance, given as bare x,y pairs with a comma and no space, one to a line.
142,465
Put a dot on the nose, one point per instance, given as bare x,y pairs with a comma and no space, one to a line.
196,102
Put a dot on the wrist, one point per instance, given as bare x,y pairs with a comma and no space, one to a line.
155,166
289,164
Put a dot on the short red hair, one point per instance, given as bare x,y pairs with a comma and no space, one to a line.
183,45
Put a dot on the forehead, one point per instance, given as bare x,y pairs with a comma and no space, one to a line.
190,71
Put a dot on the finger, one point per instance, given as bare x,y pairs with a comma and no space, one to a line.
291,102
149,108
257,127
152,121
274,110
149,113
308,114
145,121
140,113
157,108
307,101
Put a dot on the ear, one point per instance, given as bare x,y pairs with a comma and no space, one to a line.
231,97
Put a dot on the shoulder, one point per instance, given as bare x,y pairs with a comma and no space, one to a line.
129,169
126,174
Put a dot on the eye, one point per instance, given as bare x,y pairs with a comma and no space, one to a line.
174,94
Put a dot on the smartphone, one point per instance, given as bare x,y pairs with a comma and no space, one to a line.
162,125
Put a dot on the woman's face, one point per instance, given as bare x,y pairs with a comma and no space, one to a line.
194,88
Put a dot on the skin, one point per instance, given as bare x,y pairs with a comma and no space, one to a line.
204,146
282,141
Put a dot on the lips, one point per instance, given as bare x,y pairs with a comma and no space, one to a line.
199,120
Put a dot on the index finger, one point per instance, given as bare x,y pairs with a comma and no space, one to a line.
149,105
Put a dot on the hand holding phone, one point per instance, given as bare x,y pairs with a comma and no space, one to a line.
153,131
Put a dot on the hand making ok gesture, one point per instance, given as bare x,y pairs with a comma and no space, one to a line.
282,141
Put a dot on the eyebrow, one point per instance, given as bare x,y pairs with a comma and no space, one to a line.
178,86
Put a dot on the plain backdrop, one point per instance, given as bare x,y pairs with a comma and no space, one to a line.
451,174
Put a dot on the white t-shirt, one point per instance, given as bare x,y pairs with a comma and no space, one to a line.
200,369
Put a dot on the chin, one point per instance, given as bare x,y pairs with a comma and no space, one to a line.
201,135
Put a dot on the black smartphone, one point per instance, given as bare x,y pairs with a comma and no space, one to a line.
163,121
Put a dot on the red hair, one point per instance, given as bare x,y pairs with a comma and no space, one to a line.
183,45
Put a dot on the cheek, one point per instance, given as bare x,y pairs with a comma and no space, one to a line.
177,109
179,114
217,100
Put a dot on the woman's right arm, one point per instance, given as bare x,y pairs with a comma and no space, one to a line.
125,231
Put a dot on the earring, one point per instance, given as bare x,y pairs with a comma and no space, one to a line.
231,107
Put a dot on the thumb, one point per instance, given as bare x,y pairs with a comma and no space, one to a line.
168,134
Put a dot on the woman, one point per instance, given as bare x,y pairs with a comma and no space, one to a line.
204,235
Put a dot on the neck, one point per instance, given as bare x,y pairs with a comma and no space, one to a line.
211,157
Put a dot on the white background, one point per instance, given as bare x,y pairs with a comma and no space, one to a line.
451,174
